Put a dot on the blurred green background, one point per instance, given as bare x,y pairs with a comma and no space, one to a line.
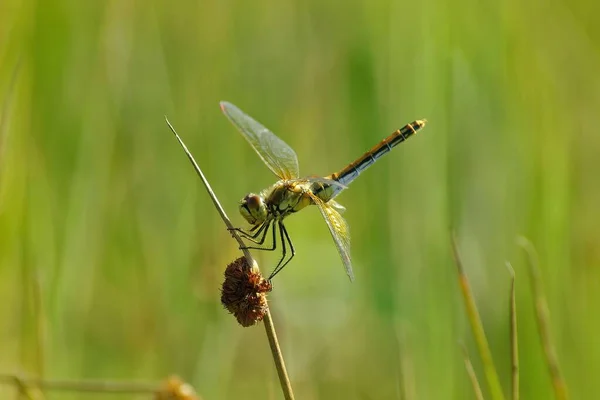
111,253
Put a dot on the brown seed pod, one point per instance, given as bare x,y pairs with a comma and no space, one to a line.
244,292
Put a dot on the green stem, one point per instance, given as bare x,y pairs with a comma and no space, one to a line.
284,380
477,327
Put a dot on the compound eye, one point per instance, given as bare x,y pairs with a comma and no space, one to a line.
252,201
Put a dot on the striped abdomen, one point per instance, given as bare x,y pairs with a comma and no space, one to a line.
353,170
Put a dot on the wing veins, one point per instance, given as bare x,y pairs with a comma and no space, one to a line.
277,155
340,232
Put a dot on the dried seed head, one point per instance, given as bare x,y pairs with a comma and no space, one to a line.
244,292
176,389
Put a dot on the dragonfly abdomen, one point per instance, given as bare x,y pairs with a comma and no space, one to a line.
353,170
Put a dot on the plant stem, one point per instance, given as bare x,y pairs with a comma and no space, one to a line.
284,380
477,328
543,320
472,375
4,117
514,345
80,386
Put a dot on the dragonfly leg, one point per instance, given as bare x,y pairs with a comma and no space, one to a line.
248,233
284,236
264,228
273,246
283,251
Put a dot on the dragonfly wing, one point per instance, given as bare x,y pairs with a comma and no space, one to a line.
325,188
337,206
275,153
340,232
326,181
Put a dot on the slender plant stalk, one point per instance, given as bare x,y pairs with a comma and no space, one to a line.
514,344
18,383
477,326
40,327
40,323
472,375
407,385
6,108
284,380
543,320
90,386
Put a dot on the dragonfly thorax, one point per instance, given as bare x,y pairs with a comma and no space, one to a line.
253,209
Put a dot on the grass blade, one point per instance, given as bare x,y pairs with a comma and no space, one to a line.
476,325
542,315
514,345
472,375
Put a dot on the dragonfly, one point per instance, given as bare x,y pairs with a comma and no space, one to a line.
268,209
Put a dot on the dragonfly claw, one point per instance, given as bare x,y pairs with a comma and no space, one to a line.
231,231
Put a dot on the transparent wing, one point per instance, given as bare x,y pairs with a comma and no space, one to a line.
326,181
275,153
325,188
340,232
337,206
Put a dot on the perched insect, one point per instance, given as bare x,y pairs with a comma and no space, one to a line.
268,209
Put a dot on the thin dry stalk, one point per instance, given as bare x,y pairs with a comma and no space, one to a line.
80,386
472,375
284,380
514,344
477,327
543,320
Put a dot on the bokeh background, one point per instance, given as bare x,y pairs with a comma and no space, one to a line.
111,253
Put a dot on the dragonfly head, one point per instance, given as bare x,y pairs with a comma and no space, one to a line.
253,209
